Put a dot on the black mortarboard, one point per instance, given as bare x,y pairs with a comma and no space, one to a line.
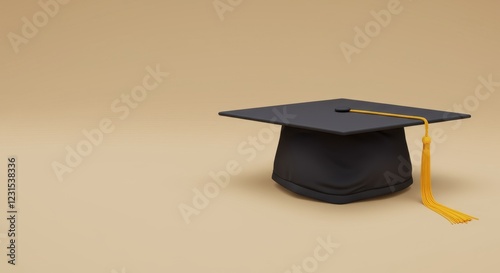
340,151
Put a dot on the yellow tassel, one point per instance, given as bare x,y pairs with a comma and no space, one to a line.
455,217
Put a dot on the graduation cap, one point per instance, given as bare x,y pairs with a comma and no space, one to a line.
341,150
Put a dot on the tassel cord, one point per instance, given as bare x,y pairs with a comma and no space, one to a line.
454,216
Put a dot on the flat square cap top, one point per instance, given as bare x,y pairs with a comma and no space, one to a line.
330,116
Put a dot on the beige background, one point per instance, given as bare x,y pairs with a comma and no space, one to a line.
118,210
